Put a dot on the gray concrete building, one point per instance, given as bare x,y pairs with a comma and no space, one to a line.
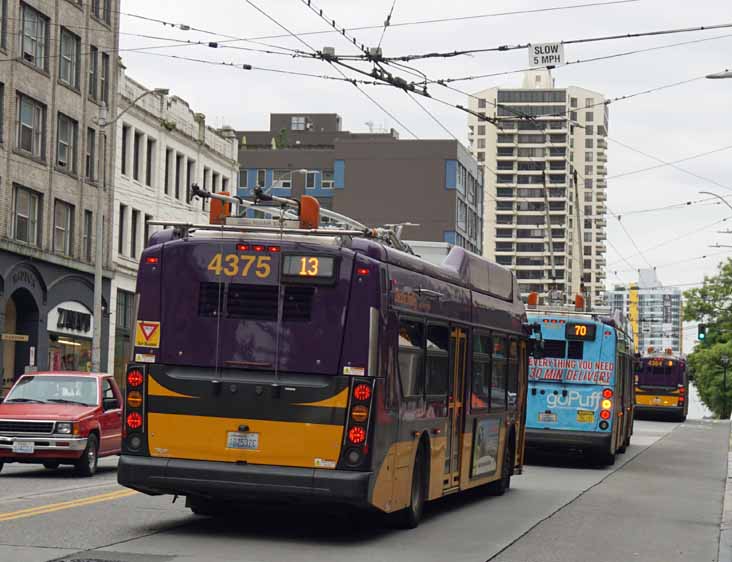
376,178
60,66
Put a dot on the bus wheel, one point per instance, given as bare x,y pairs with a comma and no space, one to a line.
499,487
410,517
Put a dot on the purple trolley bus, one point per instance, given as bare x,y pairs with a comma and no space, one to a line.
284,362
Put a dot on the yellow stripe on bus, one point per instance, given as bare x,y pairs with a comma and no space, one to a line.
340,400
204,438
154,388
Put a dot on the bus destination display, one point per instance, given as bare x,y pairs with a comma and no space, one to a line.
583,332
318,267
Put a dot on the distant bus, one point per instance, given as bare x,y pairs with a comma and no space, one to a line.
662,386
581,392
318,366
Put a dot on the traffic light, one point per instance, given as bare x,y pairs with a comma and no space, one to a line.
702,332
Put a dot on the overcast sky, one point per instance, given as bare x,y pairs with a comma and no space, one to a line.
672,124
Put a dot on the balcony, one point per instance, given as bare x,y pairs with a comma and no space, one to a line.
601,196
601,171
601,236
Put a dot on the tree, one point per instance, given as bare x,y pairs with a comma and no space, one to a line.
711,304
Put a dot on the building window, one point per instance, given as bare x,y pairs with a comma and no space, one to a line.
297,123
282,178
589,143
69,59
124,322
588,183
66,146
588,156
101,9
481,129
327,181
63,217
4,24
150,162
91,150
589,102
34,37
125,148
134,227
121,230
27,218
137,156
261,177
190,177
310,180
243,178
104,78
31,125
93,71
178,173
86,242
168,164
224,185
481,142
146,233
589,116
481,103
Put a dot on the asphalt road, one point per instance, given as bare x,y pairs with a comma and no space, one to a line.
661,501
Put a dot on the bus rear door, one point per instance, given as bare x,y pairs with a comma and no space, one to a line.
456,408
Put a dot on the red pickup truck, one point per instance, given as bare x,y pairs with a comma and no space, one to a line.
61,418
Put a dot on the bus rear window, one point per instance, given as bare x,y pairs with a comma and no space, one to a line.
576,350
555,348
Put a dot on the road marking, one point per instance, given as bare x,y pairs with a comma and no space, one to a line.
50,508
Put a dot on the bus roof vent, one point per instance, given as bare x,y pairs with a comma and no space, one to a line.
481,275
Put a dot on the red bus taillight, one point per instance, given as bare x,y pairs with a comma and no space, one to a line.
357,435
135,378
607,393
362,392
605,414
134,420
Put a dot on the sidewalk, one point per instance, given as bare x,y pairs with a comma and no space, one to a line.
725,535
665,505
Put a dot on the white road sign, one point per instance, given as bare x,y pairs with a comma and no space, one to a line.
546,54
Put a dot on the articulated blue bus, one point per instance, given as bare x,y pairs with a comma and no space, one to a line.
580,393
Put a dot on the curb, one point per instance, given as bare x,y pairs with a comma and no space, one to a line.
725,532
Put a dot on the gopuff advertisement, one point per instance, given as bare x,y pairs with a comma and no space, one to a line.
570,370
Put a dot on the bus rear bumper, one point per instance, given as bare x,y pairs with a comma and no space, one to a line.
557,438
673,411
230,481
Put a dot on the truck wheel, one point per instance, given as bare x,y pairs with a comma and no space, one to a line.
87,463
52,465
410,517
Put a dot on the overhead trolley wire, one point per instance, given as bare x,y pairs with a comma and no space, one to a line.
387,112
504,48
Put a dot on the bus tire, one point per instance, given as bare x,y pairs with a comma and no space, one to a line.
499,487
410,517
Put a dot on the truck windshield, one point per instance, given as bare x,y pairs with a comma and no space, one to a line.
54,390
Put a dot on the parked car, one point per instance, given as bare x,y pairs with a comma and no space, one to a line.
59,418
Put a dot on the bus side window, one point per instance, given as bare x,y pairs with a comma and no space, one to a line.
411,357
513,373
500,372
575,350
480,396
438,365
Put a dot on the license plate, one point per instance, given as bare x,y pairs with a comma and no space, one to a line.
547,418
24,447
238,440
585,416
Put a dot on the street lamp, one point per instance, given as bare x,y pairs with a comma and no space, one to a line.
718,75
103,123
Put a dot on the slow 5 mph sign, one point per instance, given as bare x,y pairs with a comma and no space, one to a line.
546,54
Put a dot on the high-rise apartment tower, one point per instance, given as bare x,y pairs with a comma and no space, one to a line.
545,183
